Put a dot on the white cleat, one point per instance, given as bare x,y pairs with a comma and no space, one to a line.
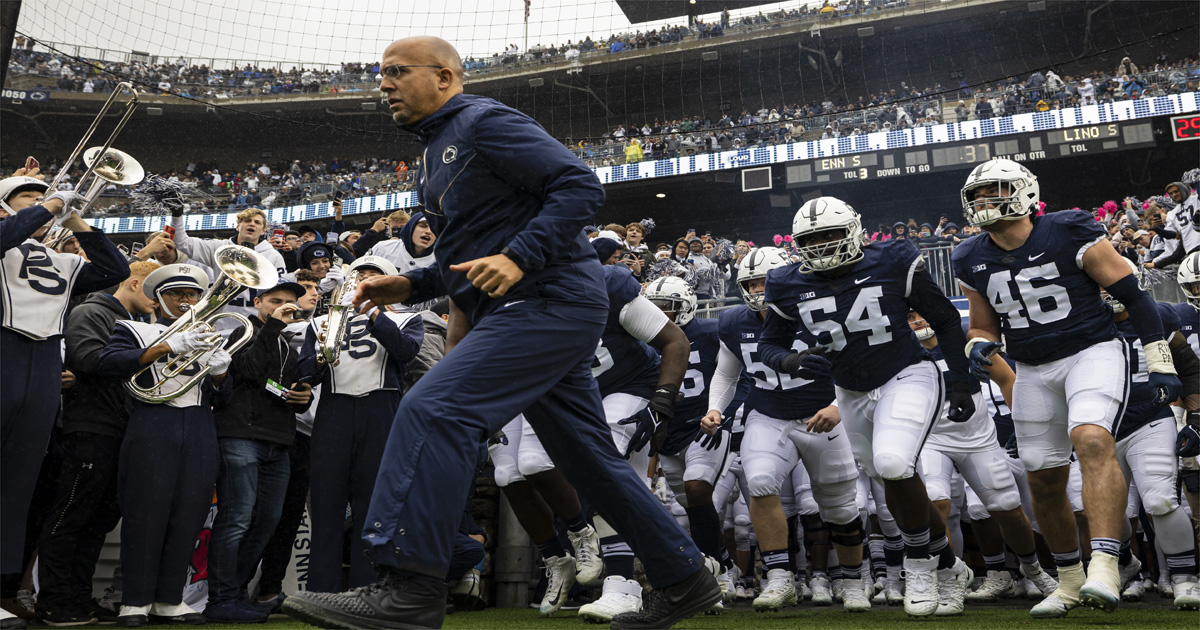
779,591
822,594
588,563
560,574
1027,589
854,597
728,581
619,596
1052,607
952,588
802,590
717,609
920,587
1102,591
996,585
1131,570
838,589
1187,593
1165,587
1134,592
1044,582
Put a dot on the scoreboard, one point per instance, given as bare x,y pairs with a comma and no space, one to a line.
1047,145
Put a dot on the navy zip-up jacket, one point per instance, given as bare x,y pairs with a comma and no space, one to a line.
493,178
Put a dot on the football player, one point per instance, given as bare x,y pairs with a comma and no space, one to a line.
169,456
691,459
639,397
971,448
853,300
1188,441
1146,448
38,285
1036,281
793,419
360,394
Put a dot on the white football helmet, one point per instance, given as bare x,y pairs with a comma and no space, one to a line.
673,294
827,214
754,266
1009,177
923,333
1189,279
12,185
1116,305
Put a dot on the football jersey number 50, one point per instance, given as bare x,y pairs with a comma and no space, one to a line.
1045,304
865,316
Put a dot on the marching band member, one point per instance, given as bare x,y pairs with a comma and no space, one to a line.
360,395
169,455
38,286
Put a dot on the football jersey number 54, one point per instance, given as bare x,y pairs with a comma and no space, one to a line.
865,316
1042,304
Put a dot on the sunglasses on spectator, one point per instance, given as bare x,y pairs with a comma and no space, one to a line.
393,71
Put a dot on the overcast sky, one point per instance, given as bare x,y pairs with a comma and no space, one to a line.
295,32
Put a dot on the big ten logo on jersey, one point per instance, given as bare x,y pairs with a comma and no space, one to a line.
1018,300
358,342
603,361
693,379
37,269
865,315
766,378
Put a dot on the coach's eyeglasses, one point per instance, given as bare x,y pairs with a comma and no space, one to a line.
393,71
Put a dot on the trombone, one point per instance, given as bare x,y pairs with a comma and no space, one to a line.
241,268
104,164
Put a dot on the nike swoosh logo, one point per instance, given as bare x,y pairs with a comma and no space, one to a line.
1153,424
508,304
831,438
902,377
861,280
1037,257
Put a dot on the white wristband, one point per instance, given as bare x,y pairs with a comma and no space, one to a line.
975,340
1158,357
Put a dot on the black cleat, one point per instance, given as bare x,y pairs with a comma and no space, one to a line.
675,603
395,601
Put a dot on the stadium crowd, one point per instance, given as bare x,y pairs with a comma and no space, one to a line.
199,80
277,421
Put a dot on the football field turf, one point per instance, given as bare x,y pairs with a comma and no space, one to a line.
1010,615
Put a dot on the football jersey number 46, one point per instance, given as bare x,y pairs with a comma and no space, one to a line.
1042,304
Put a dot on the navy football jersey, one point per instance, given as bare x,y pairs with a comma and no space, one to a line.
1138,408
861,317
623,363
702,362
1048,307
773,394
1189,325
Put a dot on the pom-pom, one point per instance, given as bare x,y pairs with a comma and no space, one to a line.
725,249
664,268
787,238
778,240
1041,205
1192,177
156,195
647,225
1110,207
749,243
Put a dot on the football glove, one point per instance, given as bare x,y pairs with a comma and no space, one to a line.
1162,375
1011,447
712,442
979,352
809,364
962,404
653,420
1187,443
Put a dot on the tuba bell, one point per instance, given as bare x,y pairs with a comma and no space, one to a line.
241,268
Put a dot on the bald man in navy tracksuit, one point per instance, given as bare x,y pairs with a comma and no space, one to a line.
508,204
